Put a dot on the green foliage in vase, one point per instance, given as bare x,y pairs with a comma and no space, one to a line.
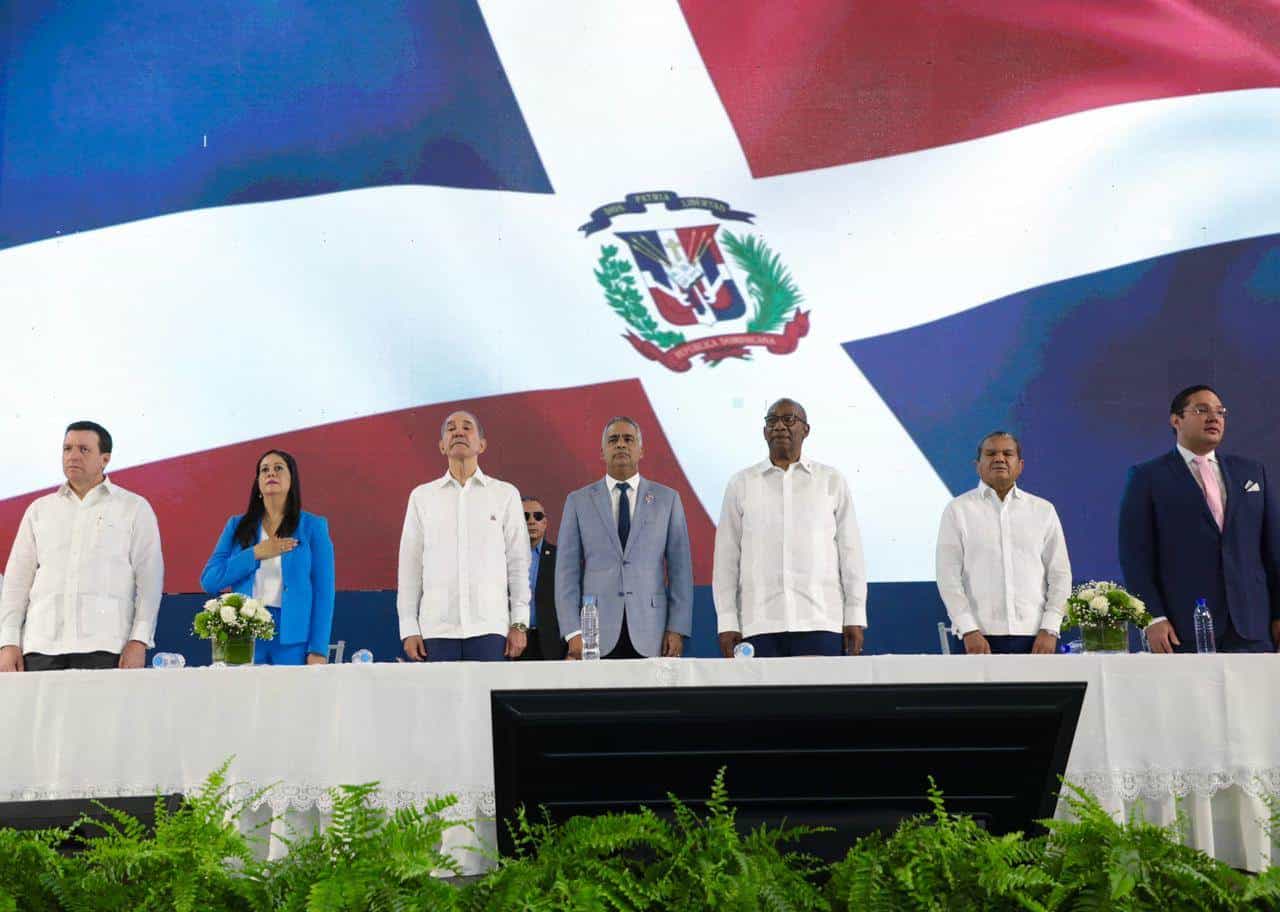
368,860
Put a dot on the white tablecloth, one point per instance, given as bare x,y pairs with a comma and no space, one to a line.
1154,728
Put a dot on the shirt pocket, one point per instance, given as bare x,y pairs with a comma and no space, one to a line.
111,540
100,616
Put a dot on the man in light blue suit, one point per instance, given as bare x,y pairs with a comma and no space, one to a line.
624,540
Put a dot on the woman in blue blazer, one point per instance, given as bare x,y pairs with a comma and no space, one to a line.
283,557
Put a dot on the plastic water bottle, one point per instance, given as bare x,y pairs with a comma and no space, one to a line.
590,628
744,650
1204,628
362,657
168,660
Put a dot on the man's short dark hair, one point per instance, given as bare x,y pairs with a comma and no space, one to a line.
1016,442
1179,403
804,416
104,436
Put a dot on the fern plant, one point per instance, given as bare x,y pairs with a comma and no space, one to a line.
194,858
939,862
638,861
1099,863
707,863
30,867
583,865
368,860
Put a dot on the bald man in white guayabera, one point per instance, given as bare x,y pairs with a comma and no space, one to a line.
789,575
85,574
1001,563
463,578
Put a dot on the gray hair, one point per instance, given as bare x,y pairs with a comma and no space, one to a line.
1016,442
444,424
604,435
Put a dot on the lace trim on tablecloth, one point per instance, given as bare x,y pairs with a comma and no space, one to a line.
1128,785
280,797
1131,785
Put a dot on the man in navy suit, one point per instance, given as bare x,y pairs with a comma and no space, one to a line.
624,540
545,641
1197,524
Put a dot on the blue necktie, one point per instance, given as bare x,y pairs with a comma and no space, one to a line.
624,514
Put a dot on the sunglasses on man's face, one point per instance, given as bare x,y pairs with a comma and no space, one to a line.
536,514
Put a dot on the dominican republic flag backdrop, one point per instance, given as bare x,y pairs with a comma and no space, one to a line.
323,225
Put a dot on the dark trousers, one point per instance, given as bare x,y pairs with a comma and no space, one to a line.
623,648
38,661
533,651
487,648
1232,641
1008,645
1000,645
797,643
532,647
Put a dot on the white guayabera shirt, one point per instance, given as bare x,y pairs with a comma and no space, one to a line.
464,559
788,553
1002,565
83,575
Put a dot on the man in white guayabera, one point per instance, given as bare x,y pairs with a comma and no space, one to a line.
789,576
84,578
463,581
1002,564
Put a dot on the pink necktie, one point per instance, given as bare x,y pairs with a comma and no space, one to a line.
1209,481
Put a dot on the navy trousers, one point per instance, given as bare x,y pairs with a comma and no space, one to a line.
487,648
798,643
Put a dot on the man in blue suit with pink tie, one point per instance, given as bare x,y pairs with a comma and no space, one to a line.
1199,524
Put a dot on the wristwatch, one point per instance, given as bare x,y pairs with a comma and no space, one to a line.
523,628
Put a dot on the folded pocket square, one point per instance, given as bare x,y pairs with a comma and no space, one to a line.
1252,487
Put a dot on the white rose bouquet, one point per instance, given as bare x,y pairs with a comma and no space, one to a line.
1103,604
233,616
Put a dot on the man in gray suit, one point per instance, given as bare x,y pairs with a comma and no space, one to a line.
624,540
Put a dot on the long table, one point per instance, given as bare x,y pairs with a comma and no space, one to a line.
1196,732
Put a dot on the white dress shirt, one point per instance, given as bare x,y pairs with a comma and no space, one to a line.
615,496
268,579
1212,456
788,554
464,559
1002,565
83,575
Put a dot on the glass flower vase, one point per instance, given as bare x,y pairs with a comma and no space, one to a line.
1105,638
236,650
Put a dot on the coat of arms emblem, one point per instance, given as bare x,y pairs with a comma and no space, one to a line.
676,288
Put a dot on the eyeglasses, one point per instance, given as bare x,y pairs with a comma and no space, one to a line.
788,420
1202,411
536,514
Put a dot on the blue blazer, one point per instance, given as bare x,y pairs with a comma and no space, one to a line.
306,615
651,581
1173,553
